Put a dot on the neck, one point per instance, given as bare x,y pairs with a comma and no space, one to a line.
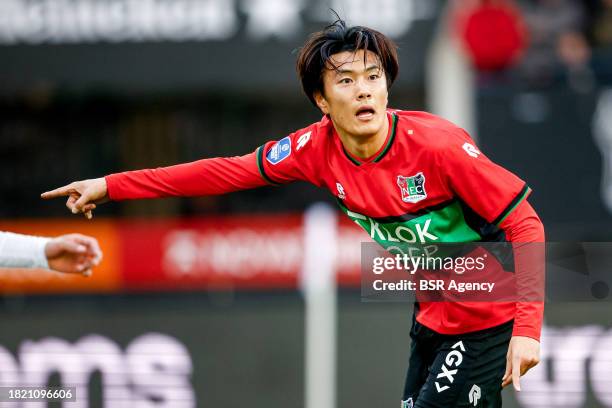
365,146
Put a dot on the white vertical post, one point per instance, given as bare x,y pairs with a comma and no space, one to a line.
449,77
318,284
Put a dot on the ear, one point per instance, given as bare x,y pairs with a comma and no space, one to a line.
321,102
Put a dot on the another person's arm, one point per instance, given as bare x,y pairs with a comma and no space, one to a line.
71,253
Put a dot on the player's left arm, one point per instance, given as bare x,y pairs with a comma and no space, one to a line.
500,197
525,230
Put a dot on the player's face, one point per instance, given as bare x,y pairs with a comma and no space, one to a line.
355,95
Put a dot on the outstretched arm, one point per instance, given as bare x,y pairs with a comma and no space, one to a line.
72,253
199,178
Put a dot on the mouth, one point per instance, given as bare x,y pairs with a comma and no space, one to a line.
365,112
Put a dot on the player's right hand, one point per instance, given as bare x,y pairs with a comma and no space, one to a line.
83,196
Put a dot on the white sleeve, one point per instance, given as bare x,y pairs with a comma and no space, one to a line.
22,251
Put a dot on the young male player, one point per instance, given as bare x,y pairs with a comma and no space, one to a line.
403,176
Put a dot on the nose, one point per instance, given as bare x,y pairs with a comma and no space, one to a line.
364,96
363,91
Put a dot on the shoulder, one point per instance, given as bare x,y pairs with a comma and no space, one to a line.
431,132
308,141
425,119
296,156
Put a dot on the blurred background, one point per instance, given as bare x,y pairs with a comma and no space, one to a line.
206,302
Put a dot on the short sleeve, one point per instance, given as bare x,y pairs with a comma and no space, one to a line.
489,189
289,159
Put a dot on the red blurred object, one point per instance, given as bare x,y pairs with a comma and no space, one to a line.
494,34
204,253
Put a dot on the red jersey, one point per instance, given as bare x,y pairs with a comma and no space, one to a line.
427,183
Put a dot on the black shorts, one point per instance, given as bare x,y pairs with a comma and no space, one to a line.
462,370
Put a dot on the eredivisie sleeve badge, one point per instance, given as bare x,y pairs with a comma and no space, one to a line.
412,188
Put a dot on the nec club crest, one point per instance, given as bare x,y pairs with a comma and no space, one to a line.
412,188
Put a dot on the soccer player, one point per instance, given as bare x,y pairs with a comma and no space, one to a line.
71,253
402,176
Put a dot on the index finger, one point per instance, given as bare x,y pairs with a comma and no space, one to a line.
58,192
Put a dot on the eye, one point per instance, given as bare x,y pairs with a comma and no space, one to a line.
345,81
374,77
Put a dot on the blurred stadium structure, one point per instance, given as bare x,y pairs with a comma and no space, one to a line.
198,302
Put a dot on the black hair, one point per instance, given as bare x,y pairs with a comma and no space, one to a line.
315,55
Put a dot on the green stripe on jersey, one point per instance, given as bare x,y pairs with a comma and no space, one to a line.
390,141
385,149
260,166
446,224
355,161
513,204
